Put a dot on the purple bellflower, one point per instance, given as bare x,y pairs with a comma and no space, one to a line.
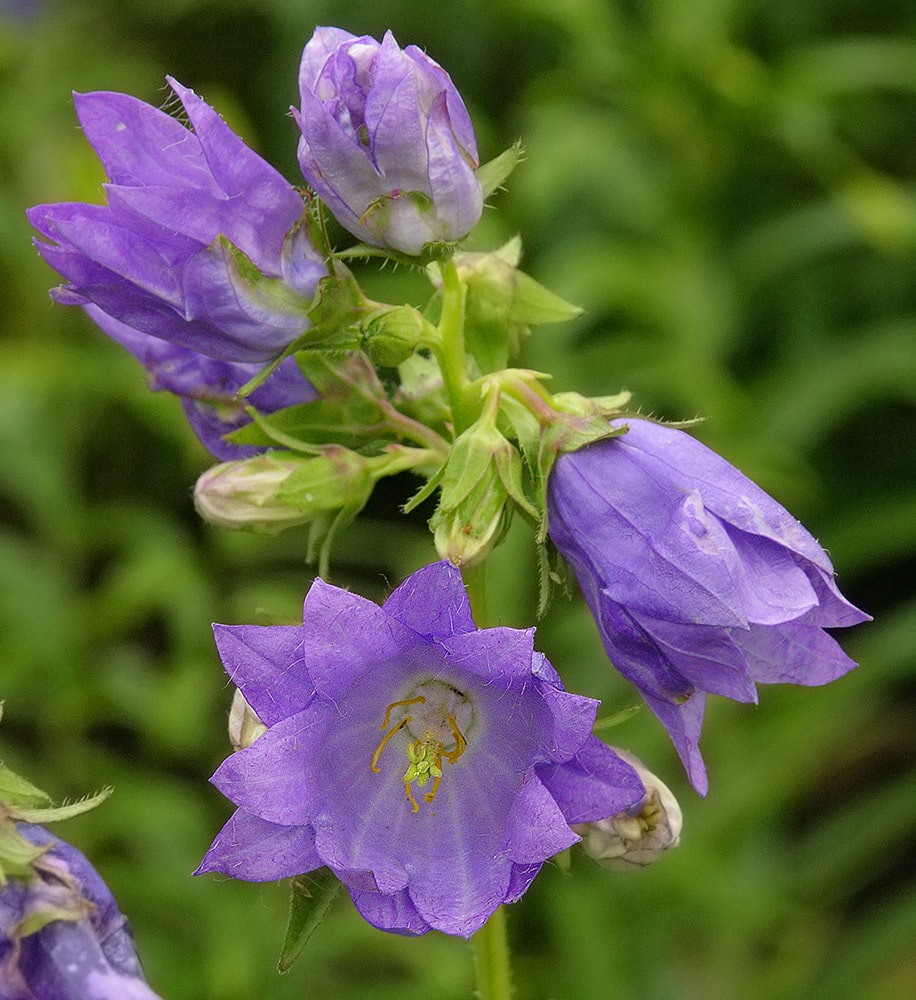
430,765
151,257
207,387
82,948
698,580
386,141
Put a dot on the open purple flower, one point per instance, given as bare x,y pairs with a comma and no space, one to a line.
207,387
386,141
198,244
432,766
698,580
62,936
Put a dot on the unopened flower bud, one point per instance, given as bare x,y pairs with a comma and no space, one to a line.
244,725
642,834
483,474
269,494
390,336
387,142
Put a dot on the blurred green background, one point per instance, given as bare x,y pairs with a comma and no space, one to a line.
729,188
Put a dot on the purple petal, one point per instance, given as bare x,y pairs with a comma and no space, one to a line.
679,458
267,664
394,912
710,657
267,778
254,850
433,602
573,717
793,654
538,828
344,635
502,655
684,723
593,785
140,145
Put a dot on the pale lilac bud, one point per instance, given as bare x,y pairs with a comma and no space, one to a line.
386,141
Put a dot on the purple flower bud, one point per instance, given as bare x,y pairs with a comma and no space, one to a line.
431,765
386,141
62,936
207,387
198,244
698,580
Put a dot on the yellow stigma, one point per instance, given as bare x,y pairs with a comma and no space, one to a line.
440,739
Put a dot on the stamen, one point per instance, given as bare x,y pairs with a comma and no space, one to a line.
425,753
419,700
460,742
385,739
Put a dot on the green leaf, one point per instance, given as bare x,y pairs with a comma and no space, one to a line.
311,897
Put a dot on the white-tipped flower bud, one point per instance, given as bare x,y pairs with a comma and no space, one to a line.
642,834
244,725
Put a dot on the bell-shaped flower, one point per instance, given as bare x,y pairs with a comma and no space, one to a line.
62,936
698,580
387,142
199,244
207,387
430,765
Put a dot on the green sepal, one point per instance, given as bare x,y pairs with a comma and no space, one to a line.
502,303
494,173
16,791
52,814
351,406
17,855
310,899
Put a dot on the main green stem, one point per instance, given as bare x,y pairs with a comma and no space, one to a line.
450,351
490,944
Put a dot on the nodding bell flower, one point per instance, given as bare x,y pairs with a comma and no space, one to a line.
387,142
432,766
698,580
207,387
639,835
62,936
199,244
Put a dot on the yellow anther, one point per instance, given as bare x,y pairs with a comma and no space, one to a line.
410,797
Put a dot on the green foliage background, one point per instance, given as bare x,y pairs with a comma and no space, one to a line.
729,188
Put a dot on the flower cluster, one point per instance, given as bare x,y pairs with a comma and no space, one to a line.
432,766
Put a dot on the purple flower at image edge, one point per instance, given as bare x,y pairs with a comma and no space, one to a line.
85,951
151,258
207,387
698,580
386,141
430,765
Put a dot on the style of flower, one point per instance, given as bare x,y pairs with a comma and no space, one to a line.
199,244
207,387
62,936
386,141
430,765
699,581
